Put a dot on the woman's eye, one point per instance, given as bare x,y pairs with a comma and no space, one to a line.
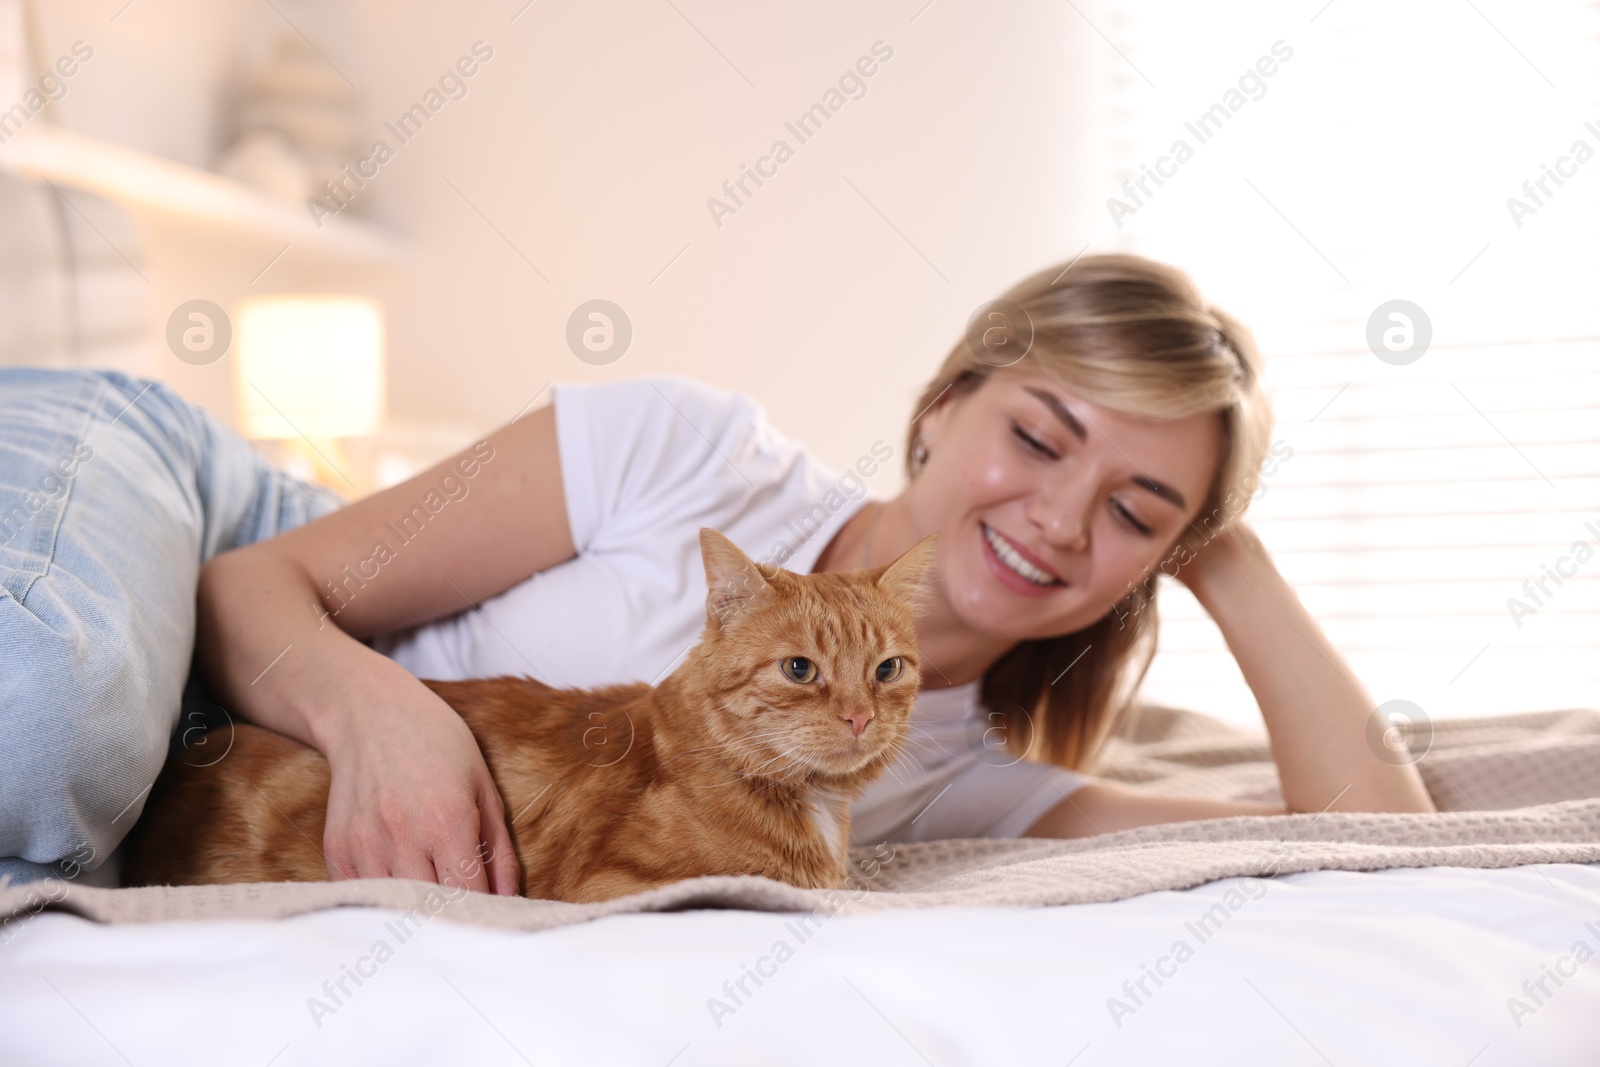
1127,516
890,669
1033,443
798,668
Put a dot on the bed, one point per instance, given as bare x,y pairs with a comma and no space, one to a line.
1403,966
1463,938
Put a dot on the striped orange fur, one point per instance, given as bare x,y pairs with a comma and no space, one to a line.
735,764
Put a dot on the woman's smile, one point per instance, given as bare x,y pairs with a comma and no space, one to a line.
1015,567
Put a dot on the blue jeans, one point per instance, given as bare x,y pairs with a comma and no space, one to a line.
113,491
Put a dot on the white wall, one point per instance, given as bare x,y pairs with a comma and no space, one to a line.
595,135
593,139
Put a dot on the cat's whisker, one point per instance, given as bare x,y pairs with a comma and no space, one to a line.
908,765
795,770
737,775
734,780
747,775
755,741
743,747
722,754
758,769
735,741
894,771
918,735
742,741
928,739
797,767
770,759
918,744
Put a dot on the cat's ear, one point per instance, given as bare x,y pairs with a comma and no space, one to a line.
734,584
909,575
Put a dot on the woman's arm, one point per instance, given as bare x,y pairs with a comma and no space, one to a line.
1316,710
411,796
1104,806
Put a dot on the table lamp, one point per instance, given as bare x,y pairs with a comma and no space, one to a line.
309,371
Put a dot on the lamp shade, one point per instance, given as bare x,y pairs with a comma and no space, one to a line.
309,365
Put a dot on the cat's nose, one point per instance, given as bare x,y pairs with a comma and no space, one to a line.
858,720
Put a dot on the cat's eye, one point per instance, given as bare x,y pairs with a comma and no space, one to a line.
890,669
798,669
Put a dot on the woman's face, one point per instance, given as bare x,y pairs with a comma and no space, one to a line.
1089,498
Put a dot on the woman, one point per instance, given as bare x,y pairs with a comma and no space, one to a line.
1061,483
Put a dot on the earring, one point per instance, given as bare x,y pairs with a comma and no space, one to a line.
919,454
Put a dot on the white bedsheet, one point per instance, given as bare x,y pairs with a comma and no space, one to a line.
1405,967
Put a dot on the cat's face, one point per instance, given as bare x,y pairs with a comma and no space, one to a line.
813,677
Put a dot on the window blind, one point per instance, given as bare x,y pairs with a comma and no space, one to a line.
1439,513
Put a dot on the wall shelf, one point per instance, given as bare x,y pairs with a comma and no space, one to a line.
146,182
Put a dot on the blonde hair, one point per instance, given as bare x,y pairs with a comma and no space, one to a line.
1132,335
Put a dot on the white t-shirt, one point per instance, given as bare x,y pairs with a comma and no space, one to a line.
645,463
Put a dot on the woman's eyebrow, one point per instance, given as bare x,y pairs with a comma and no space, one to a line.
1060,411
1160,489
1075,425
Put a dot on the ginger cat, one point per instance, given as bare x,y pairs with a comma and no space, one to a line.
743,761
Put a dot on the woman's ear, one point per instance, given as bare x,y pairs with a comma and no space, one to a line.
931,425
933,422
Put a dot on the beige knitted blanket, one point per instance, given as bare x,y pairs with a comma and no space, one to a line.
1511,790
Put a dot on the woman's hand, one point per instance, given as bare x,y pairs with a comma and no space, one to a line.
1224,551
411,797
279,640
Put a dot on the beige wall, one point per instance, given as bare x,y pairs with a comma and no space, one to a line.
592,140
